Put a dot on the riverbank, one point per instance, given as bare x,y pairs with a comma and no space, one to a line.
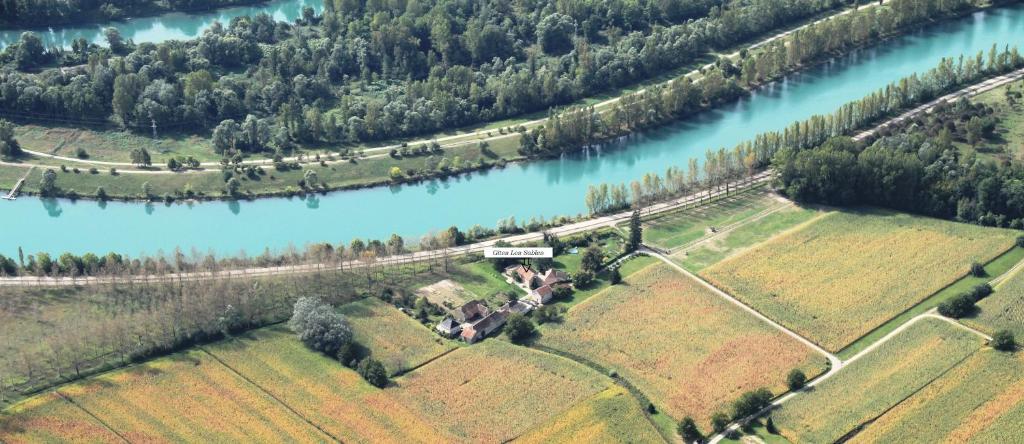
375,167
37,23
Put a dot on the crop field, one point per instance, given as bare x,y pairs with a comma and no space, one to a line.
698,352
187,397
495,391
981,400
742,236
322,390
612,416
1004,309
841,276
876,382
397,340
677,229
49,418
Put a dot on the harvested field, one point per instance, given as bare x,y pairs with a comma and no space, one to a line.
871,385
187,397
612,416
50,418
1004,309
397,340
494,391
323,391
975,402
446,293
841,276
698,353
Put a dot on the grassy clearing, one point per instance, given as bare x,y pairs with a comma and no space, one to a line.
1004,309
612,416
1010,126
51,419
698,353
875,383
112,146
677,229
322,390
843,275
601,281
495,391
187,397
975,402
996,267
483,281
742,238
397,340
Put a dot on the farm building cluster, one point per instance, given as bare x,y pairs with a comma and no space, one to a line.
473,320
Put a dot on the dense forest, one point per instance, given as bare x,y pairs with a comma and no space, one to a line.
372,71
32,13
917,166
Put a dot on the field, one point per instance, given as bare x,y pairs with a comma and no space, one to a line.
148,403
981,400
677,229
841,276
495,391
881,379
322,391
698,353
1004,309
612,416
397,340
482,280
446,293
51,419
742,236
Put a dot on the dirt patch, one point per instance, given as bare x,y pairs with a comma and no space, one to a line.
447,293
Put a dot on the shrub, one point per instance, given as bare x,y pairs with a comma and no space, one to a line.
957,307
977,270
615,277
719,421
688,430
519,328
750,403
582,279
373,372
81,154
796,380
981,291
562,292
1020,241
319,326
1003,340
770,426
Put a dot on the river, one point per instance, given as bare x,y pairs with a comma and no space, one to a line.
170,26
546,188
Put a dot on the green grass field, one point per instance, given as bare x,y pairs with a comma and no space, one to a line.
397,340
845,274
981,400
875,383
612,416
742,237
680,228
688,350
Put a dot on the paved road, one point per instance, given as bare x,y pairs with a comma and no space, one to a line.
471,137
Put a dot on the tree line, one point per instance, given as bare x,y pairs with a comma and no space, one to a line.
778,148
34,13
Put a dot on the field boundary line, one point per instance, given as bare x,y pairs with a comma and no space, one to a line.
93,416
618,380
424,363
833,359
271,395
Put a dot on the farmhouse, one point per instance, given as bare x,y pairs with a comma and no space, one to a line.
471,312
541,295
449,327
484,327
523,273
552,277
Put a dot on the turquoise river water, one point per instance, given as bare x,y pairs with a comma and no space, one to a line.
546,188
170,26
